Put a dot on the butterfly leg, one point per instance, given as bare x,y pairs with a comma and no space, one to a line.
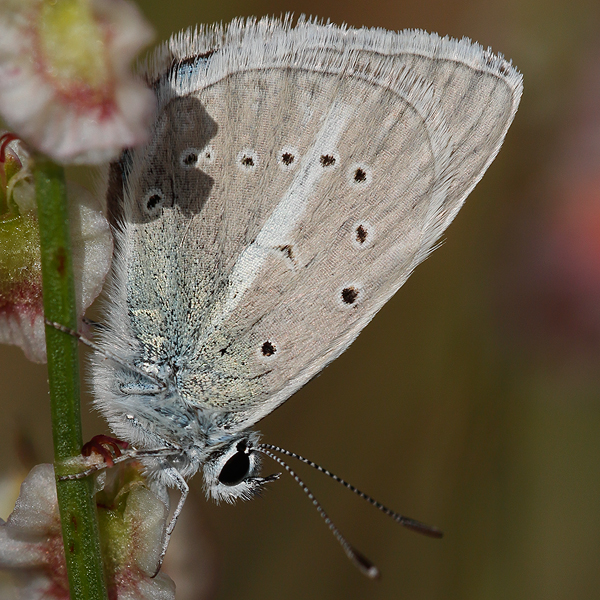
86,342
174,479
179,482
95,325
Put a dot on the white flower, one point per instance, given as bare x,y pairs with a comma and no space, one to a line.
65,81
21,308
131,519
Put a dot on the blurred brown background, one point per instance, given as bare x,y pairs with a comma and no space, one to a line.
473,399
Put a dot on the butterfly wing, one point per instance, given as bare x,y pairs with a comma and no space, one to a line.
295,178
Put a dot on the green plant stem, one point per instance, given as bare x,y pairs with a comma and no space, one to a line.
75,498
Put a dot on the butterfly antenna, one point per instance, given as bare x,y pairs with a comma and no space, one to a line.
405,521
364,565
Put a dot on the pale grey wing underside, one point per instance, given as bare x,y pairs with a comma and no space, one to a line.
294,182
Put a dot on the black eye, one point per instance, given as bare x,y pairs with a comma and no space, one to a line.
235,470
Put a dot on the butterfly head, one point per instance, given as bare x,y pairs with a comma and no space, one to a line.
231,471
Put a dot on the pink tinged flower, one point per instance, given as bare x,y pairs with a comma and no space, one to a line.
10,484
65,80
30,541
21,308
131,519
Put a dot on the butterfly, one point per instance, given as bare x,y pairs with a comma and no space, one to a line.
295,177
